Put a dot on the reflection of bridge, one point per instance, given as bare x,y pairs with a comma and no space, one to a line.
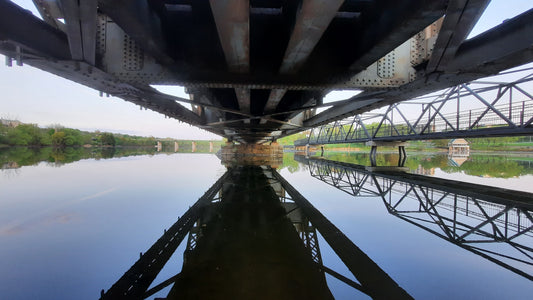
494,223
502,108
258,70
252,236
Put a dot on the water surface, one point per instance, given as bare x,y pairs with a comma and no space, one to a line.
70,228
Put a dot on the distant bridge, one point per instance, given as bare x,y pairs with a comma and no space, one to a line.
258,70
494,107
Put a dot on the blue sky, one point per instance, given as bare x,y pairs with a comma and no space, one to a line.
33,96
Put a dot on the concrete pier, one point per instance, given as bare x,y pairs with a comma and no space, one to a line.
252,154
401,151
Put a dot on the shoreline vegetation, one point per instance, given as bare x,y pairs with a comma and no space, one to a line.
17,134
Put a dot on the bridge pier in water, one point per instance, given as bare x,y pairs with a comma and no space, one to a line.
374,150
254,154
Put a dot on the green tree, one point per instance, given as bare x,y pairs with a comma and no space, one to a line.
107,139
72,137
28,135
58,139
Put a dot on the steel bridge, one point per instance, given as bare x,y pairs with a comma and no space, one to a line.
258,70
493,223
490,107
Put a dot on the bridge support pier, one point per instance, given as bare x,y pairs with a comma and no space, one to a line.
374,150
252,154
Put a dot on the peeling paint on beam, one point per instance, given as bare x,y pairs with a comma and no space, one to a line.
232,18
461,16
243,97
312,20
71,12
273,99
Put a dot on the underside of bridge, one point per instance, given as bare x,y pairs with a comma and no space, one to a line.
257,70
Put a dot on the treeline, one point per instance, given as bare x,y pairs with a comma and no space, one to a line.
33,136
30,135
489,144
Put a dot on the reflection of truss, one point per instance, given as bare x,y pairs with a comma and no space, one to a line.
355,182
478,109
135,282
499,231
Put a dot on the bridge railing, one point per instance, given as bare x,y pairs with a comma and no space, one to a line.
483,108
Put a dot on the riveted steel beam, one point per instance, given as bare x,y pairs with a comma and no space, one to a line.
461,16
243,97
232,18
141,23
505,46
313,18
273,99
50,12
397,24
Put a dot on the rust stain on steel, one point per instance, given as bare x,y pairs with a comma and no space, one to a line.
233,26
460,18
243,97
312,20
273,99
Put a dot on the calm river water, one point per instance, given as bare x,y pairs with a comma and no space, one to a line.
71,223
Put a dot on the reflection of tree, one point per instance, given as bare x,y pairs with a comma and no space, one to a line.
17,157
60,156
289,163
489,166
477,165
24,156
108,152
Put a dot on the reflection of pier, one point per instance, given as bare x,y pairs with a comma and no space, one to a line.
491,222
252,235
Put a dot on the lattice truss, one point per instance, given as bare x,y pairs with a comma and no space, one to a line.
306,231
351,181
495,106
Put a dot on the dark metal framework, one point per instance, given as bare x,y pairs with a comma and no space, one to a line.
261,68
486,108
490,222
